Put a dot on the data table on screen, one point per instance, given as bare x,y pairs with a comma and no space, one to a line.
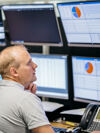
52,78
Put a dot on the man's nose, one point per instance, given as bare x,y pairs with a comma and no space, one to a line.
35,65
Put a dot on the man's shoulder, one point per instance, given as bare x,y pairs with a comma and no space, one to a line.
29,95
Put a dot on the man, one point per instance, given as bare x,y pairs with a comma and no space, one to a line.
20,110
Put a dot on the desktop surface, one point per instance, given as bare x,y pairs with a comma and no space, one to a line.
64,126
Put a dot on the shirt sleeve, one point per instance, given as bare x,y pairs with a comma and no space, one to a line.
32,112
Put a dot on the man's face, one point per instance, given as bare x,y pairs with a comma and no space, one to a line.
26,70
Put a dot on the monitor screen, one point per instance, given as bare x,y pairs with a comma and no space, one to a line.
86,78
32,24
0,77
2,34
52,78
1,22
81,22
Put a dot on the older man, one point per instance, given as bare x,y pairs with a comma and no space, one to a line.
20,111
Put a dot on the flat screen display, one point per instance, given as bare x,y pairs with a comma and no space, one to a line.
32,25
81,23
86,78
52,75
2,34
0,77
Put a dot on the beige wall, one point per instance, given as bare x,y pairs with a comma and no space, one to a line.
4,2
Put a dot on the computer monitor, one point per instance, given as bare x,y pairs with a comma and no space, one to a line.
32,24
2,34
81,23
1,22
0,77
52,78
86,78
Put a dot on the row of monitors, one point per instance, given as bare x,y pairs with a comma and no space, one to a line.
37,24
53,80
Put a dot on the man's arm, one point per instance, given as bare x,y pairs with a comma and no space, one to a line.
43,129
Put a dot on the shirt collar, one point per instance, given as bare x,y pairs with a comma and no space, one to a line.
11,83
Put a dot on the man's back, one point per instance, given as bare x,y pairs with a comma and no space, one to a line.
13,101
10,99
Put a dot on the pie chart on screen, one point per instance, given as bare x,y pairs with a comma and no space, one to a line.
76,12
89,67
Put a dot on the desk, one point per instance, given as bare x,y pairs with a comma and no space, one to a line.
60,125
73,115
67,125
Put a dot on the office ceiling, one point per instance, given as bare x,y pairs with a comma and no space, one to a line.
4,2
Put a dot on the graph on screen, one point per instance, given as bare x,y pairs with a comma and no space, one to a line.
89,67
76,12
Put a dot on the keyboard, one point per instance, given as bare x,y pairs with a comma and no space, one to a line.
59,130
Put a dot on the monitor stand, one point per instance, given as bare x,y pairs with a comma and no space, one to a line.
46,50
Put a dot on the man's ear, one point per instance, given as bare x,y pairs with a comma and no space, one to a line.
13,71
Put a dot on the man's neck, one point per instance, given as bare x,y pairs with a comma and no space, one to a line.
7,77
10,78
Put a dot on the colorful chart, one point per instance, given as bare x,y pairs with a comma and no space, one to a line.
76,12
89,67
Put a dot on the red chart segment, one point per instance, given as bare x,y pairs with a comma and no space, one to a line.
76,12
89,67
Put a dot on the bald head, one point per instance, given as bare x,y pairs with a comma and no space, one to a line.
10,56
